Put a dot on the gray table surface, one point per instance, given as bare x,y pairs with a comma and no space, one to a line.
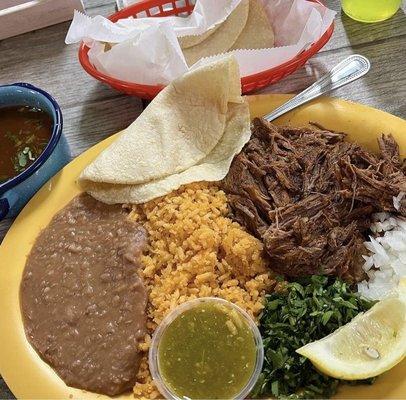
93,111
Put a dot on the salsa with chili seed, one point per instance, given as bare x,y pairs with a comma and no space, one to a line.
207,352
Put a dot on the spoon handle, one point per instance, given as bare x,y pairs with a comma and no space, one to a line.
344,72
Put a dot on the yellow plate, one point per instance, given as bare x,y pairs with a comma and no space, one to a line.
23,370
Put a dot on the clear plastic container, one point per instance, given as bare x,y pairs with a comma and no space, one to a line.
153,352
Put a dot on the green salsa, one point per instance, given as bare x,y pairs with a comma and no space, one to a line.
207,352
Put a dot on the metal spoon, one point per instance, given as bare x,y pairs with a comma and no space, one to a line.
344,72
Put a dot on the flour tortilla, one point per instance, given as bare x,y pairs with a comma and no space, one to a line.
258,32
212,168
192,40
179,128
223,38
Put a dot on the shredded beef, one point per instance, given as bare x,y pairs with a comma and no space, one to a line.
309,195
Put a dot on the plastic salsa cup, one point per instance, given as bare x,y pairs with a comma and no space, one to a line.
157,370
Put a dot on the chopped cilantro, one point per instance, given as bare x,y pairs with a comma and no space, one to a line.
302,312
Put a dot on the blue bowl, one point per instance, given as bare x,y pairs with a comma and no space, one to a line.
16,192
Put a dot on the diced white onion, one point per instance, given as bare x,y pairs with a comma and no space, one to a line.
386,262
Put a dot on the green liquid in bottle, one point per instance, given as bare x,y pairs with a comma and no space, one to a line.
370,10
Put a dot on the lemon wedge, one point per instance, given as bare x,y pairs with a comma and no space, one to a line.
372,343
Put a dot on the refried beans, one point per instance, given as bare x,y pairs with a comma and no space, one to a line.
82,301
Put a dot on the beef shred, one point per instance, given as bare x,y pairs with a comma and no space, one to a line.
309,195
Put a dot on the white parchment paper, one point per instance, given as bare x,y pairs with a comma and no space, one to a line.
146,50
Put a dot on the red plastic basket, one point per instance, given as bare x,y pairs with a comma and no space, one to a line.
161,8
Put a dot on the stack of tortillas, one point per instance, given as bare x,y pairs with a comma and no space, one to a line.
190,132
247,27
